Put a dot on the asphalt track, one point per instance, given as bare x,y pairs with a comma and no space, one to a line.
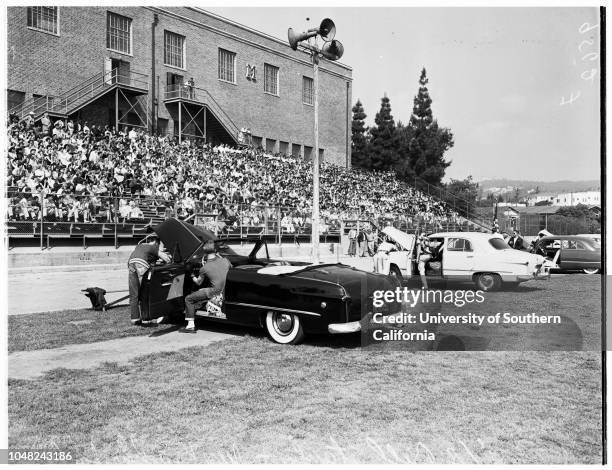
53,290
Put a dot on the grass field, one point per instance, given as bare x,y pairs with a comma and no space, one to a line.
248,400
54,329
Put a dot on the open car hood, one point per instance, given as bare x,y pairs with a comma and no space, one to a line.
405,240
181,239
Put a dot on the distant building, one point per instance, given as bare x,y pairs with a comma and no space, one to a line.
588,198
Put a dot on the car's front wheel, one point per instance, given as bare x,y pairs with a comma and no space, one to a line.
488,281
284,328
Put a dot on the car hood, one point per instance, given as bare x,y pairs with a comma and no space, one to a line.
181,239
405,240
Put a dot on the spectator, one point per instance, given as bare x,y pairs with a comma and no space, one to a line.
46,124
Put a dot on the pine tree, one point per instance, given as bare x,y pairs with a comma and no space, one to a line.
359,141
383,148
423,143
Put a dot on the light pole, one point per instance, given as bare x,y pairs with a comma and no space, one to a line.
331,50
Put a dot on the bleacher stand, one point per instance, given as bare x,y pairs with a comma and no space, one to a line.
101,182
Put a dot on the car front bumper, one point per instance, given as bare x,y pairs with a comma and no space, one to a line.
344,328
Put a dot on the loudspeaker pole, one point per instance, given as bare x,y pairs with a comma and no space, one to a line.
331,50
315,162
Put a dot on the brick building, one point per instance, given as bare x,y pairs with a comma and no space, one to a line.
177,71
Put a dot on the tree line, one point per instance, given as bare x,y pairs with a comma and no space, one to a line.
414,151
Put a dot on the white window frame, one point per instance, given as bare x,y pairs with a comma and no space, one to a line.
34,28
304,77
266,66
183,52
232,54
131,41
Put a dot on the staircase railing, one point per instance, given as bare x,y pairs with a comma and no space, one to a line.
202,96
82,92
461,206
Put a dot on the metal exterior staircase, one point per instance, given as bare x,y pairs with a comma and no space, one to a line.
83,94
179,92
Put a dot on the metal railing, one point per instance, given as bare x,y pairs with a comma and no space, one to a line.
81,93
459,205
199,95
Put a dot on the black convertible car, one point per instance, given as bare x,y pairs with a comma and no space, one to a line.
288,299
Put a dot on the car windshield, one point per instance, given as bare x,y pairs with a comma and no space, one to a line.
498,244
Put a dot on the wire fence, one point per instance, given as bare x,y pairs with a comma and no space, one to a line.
531,224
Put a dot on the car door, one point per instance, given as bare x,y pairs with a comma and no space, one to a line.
162,291
575,255
458,258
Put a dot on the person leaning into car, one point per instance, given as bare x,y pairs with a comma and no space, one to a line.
212,275
141,259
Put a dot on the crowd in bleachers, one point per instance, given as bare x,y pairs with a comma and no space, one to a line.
94,173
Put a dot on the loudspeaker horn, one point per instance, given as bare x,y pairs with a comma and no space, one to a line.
295,38
332,50
327,30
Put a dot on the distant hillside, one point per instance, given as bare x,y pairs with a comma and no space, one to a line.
543,186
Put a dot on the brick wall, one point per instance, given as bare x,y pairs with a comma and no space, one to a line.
47,64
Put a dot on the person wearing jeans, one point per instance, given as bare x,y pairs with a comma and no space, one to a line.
141,259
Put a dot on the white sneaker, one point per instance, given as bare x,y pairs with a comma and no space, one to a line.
159,320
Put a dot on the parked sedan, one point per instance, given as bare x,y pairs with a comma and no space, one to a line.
481,258
571,252
288,299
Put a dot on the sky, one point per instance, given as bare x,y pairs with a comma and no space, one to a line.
518,87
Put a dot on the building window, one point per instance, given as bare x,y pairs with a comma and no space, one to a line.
14,100
308,90
271,79
174,50
119,33
296,150
307,153
227,66
44,19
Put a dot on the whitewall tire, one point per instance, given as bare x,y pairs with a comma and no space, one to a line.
284,328
590,270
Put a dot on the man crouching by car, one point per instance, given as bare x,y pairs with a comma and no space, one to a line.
142,258
212,276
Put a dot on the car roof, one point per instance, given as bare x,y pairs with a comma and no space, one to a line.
471,235
567,237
